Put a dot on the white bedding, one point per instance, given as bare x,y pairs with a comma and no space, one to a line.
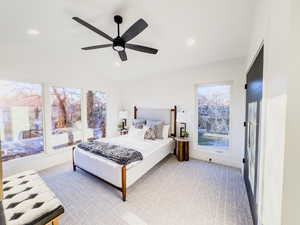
153,151
146,147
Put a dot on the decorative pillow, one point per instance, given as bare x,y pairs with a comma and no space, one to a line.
158,127
150,134
136,133
166,131
138,123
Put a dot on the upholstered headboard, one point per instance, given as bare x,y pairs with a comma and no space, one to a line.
169,116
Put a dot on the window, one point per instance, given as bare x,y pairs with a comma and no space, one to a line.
213,106
22,114
65,116
96,114
21,119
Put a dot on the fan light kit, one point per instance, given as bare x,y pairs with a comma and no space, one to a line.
119,43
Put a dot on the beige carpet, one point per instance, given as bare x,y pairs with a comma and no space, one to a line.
172,193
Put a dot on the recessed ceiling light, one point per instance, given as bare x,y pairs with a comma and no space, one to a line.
117,64
33,32
190,42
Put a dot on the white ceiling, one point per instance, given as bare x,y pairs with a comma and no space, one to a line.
220,29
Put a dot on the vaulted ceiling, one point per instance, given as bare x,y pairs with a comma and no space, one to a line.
40,36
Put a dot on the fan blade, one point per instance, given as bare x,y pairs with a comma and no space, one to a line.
141,48
91,27
134,30
123,55
96,46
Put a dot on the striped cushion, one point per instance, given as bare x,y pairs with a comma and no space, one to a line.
28,200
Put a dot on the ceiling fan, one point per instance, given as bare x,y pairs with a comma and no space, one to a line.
119,43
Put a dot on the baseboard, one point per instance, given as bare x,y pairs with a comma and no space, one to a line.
219,158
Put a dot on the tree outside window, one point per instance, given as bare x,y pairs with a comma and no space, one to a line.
96,114
213,106
65,116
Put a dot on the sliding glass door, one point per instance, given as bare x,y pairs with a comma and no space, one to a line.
252,131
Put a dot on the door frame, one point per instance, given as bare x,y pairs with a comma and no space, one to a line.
255,200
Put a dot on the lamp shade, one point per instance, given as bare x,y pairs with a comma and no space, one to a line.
123,114
181,117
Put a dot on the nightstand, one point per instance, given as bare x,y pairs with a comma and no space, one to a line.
182,149
123,132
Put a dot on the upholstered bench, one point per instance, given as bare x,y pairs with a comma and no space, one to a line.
27,200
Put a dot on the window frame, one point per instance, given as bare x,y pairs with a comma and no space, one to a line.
211,149
85,123
46,108
43,122
49,115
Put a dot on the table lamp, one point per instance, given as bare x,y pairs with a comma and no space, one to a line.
123,115
182,119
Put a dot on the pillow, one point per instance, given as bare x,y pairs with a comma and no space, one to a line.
158,127
138,123
166,130
136,133
149,134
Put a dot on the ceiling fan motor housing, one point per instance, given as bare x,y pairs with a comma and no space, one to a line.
118,19
118,44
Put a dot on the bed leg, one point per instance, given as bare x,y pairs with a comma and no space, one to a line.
74,167
124,183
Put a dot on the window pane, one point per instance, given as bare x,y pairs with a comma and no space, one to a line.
65,116
21,119
213,116
96,114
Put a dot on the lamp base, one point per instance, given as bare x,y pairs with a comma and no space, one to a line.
183,130
124,123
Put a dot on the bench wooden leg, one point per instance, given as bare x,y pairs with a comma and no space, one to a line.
124,183
55,221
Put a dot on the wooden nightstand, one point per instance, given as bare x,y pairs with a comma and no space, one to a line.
182,149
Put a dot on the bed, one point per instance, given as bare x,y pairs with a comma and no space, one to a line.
153,151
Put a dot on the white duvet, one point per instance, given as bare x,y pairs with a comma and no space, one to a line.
146,147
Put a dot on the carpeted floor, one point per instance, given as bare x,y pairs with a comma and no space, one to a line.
172,193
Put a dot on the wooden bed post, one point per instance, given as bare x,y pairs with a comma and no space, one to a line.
134,112
74,167
174,110
175,120
124,183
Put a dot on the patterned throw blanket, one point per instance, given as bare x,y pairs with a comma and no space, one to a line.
118,154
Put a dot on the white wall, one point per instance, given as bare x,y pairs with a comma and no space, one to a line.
61,79
291,182
179,88
271,26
